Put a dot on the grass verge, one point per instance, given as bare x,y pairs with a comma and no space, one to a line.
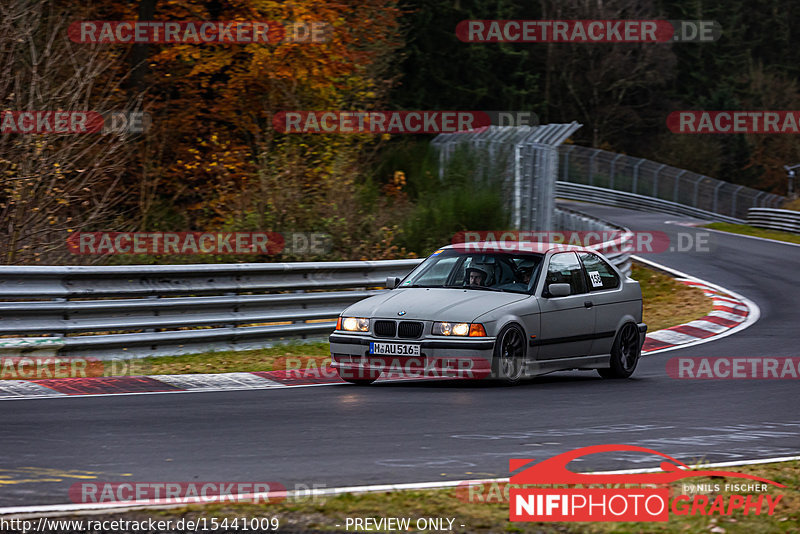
745,229
666,303
233,361
321,514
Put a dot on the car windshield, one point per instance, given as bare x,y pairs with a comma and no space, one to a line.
497,271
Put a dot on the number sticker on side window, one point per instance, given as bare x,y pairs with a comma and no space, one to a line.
594,276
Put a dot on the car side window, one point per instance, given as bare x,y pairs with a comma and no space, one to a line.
601,275
564,268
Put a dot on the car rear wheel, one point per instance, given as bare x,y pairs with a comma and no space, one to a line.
509,355
624,353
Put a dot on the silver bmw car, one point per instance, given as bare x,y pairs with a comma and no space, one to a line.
499,310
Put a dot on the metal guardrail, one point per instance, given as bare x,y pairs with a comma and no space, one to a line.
138,311
611,197
617,251
137,280
599,168
774,219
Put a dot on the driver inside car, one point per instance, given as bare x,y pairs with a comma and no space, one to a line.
476,277
524,273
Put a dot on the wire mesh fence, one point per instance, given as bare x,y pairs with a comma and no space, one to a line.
522,160
599,168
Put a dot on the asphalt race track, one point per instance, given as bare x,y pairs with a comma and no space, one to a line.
347,435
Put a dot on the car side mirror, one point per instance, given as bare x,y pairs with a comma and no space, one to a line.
392,282
558,290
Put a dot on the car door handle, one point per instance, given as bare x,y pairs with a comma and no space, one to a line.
588,303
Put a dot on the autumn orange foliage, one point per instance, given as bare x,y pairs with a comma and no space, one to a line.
216,156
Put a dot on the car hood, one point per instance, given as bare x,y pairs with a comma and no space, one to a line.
432,304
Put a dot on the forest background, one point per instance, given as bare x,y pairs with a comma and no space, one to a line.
211,160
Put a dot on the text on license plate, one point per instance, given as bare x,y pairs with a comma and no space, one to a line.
393,349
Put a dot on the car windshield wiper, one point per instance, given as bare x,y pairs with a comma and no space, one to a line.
461,286
437,286
457,286
484,288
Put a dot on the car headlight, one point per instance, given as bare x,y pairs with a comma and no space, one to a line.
355,324
458,329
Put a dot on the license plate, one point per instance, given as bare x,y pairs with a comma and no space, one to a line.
393,349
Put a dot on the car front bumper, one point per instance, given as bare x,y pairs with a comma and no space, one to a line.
451,358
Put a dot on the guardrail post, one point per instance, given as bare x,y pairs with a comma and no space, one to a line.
733,201
697,190
517,186
441,162
304,306
655,180
613,169
156,312
567,155
65,316
591,166
546,200
234,314
636,174
677,182
755,199
716,197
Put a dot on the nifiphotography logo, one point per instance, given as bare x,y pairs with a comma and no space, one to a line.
646,496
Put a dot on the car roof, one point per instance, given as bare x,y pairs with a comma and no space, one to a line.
515,246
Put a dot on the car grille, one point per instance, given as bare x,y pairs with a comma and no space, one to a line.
385,328
409,329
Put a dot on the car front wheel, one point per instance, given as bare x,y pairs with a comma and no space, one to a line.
624,353
509,355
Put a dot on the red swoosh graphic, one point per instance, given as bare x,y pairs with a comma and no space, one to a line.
554,471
